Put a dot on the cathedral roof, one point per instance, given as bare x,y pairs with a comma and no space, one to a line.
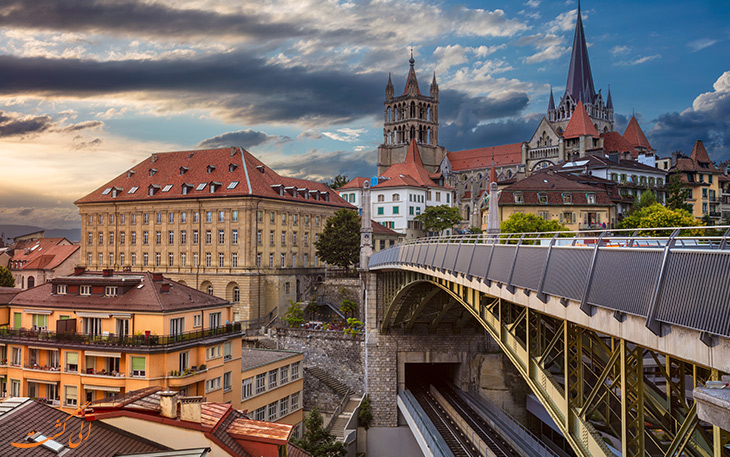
471,159
580,124
615,142
411,81
635,135
408,173
701,159
580,79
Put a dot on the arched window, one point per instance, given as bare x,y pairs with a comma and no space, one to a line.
31,282
236,294
381,198
396,197
210,290
413,110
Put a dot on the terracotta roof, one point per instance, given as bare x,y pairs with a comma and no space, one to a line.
597,161
7,294
699,156
355,183
233,172
104,440
635,136
380,229
408,173
580,124
471,159
615,142
43,253
553,185
142,294
268,432
295,451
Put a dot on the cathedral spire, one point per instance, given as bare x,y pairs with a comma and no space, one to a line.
580,80
609,101
389,89
551,101
412,82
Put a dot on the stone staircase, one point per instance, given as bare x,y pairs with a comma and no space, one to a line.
329,381
338,426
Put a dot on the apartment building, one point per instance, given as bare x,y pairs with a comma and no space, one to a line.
218,220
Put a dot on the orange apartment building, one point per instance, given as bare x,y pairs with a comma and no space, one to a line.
92,335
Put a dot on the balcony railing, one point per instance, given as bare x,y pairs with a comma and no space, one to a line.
143,341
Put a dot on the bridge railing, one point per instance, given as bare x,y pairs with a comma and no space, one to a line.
675,276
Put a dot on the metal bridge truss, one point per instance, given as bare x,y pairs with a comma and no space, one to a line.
592,385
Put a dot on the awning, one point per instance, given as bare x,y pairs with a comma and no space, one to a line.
116,355
99,315
122,315
42,381
42,349
47,312
104,388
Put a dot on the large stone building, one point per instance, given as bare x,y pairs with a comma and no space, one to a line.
703,180
217,220
38,260
411,116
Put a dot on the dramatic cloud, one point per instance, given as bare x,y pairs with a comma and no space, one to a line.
244,138
318,165
708,120
12,124
457,138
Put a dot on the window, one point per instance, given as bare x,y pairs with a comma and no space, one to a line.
184,360
438,196
72,361
85,290
207,259
208,237
196,237
208,216
283,218
306,220
260,414
306,258
183,217
381,211
183,236
227,351
258,260
101,218
271,238
91,238
273,378
227,381
146,218
271,260
272,411
145,259
259,237
61,289
396,210
295,371
221,258
158,218
221,216
283,260
260,383
210,290
294,401
196,216
234,261
294,219
101,237
92,326
177,326
284,374
283,238
284,406
158,259
234,215
234,237
134,259
591,198
544,215
70,395
381,198
214,320
294,238
294,260
111,291
704,193
145,237
246,388
134,218
196,320
123,327
139,365
542,198
221,236
213,384
158,237
122,238
16,357
306,238
170,237
567,198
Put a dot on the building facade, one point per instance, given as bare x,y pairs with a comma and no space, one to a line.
38,260
217,220
703,181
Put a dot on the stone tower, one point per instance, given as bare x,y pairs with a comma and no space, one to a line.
411,115
580,88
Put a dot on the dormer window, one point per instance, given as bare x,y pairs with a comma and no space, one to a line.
84,290
186,188
279,188
232,167
214,186
116,191
153,171
567,198
183,170
210,168
130,173
519,199
291,190
260,168
110,291
591,199
61,289
542,198
152,189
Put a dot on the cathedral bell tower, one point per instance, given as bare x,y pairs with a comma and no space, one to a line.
411,116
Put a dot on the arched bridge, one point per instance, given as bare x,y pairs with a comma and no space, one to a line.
610,330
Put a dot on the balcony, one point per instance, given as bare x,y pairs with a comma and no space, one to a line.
136,342
188,376
543,153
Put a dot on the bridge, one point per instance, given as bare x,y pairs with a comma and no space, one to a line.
611,330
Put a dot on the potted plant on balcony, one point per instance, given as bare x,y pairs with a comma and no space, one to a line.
202,367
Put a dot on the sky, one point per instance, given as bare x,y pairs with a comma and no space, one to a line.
88,88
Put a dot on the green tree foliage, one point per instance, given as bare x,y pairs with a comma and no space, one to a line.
318,441
365,416
339,181
348,307
294,315
647,198
474,230
6,278
439,218
656,216
522,223
339,243
354,326
677,194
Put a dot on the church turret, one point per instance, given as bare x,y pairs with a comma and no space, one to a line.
551,101
412,82
434,88
609,101
389,90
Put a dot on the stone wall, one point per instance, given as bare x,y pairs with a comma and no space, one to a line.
335,289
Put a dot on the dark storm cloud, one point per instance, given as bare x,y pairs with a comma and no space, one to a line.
468,111
495,133
14,125
679,131
133,18
323,166
243,85
244,138
82,126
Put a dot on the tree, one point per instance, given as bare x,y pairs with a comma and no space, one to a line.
647,198
339,243
348,307
439,218
677,193
365,416
339,181
318,441
525,223
656,216
474,230
294,315
6,278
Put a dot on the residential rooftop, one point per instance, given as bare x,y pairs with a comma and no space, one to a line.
254,357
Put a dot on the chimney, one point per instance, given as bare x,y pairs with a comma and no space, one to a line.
157,277
190,408
168,404
79,270
165,287
106,272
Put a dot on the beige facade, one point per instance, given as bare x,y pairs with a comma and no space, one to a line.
573,217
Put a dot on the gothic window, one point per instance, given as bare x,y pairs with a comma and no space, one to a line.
428,135
413,133
413,110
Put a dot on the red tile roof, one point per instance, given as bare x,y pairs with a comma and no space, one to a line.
615,142
380,229
635,136
470,159
580,124
700,157
355,183
167,173
408,173
138,291
553,185
43,253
